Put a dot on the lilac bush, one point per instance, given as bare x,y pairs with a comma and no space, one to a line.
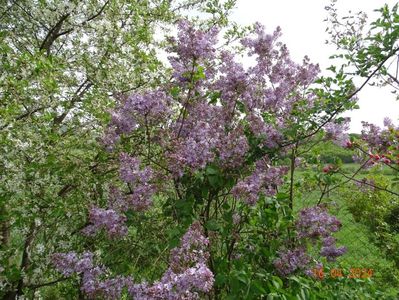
208,145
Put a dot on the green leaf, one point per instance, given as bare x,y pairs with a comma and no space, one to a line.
175,91
211,170
212,225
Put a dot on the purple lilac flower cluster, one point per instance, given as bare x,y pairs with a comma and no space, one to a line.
264,180
194,147
372,135
382,144
330,250
193,249
314,224
139,181
233,148
277,71
112,219
338,132
290,261
186,278
380,139
193,48
187,285
108,219
271,135
134,112
92,285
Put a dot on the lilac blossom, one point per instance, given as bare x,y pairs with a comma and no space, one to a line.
315,222
290,261
264,180
139,180
270,135
207,122
193,43
193,249
130,171
92,284
186,285
151,106
233,85
110,139
117,200
338,132
372,135
388,123
332,252
140,198
379,139
275,66
135,112
193,47
232,149
108,219
65,262
195,139
113,219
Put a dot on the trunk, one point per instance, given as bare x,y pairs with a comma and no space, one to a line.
24,260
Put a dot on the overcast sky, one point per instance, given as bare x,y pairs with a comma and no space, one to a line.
304,33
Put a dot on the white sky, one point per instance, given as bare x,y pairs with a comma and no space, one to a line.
304,33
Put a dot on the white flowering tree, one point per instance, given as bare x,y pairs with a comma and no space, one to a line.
62,63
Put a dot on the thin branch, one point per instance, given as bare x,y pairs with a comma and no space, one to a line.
97,14
342,183
80,92
36,286
24,115
369,184
65,190
393,78
387,164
